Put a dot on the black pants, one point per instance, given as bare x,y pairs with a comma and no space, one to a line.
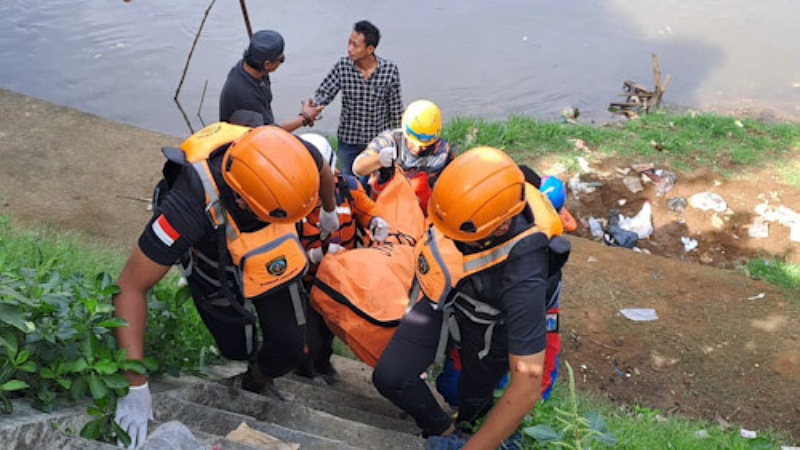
413,349
282,338
320,346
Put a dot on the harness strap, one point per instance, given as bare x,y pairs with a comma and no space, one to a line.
444,335
297,303
484,308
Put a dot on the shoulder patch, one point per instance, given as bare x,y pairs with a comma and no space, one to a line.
164,231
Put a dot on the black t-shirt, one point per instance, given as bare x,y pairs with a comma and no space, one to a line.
182,222
517,287
243,92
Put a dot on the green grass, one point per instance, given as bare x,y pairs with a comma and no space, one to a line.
69,251
639,428
683,142
777,273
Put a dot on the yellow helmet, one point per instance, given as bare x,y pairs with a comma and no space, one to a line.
422,122
476,193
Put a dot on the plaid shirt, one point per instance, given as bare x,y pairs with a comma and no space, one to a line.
368,106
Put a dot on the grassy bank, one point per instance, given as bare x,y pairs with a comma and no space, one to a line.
685,142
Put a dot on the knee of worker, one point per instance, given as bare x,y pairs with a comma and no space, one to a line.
391,382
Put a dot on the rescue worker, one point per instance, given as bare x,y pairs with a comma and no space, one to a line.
357,213
231,193
416,148
484,266
447,380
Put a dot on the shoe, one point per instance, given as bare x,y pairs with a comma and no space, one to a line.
329,374
255,381
450,442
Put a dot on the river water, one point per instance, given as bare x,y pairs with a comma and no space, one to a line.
486,58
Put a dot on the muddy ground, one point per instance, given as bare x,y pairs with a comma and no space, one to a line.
719,351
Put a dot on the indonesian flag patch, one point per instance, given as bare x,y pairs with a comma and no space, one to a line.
164,231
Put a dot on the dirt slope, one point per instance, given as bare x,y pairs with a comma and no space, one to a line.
713,352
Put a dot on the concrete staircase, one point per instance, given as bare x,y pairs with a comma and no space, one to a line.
346,416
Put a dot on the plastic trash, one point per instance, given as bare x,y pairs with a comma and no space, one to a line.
689,244
794,233
759,229
708,201
641,223
748,434
633,183
640,314
666,182
677,204
595,227
173,435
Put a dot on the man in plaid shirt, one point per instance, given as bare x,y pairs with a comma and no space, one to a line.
370,87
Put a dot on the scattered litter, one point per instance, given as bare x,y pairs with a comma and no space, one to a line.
758,296
717,222
633,183
794,234
641,223
577,186
689,244
591,259
580,145
738,123
596,227
759,229
677,204
570,115
701,434
640,314
783,215
259,439
614,235
584,165
708,201
172,434
622,202
663,179
748,434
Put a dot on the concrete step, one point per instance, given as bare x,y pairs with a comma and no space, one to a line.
348,415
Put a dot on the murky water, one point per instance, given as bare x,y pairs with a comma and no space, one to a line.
485,58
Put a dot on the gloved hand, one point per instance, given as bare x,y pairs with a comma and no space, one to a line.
133,412
328,222
379,229
386,156
315,254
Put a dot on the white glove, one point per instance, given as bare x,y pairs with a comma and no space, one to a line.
328,222
133,412
379,229
386,156
315,254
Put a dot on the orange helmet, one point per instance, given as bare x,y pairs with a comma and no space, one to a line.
274,174
478,191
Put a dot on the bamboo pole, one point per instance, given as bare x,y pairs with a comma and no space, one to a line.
194,44
246,19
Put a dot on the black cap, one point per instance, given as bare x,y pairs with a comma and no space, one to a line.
265,45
